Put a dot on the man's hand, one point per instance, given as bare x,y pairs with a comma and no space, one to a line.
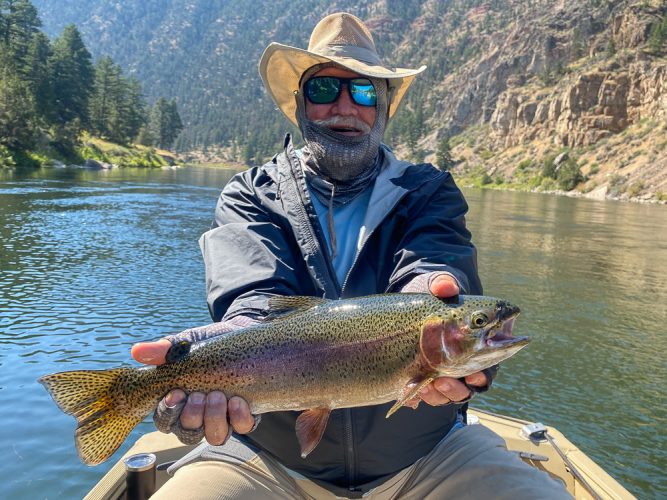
447,390
199,415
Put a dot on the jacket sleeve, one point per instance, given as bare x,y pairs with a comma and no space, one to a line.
436,239
246,253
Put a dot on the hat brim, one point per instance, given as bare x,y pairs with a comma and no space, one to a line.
281,67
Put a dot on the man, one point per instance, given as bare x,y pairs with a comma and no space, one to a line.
340,218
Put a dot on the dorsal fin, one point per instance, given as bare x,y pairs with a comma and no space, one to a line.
283,304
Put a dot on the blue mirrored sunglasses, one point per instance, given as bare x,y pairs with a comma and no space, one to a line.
326,89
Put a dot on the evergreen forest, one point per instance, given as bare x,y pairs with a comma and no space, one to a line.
52,92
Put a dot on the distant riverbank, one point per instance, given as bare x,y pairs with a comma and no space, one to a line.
602,194
91,152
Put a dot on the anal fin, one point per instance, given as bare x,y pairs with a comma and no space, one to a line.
310,426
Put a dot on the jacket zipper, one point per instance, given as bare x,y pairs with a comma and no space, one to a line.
350,462
348,436
354,262
313,240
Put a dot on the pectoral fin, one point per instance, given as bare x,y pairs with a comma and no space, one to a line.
310,426
410,392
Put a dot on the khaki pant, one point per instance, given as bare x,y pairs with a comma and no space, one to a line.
471,463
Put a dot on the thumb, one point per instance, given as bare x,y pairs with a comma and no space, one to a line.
477,379
151,353
444,286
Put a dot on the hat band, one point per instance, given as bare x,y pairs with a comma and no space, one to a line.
352,51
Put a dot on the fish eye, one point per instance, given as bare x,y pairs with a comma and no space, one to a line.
479,319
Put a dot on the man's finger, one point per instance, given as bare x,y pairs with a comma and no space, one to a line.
169,410
239,415
453,389
433,397
151,353
444,286
192,416
216,427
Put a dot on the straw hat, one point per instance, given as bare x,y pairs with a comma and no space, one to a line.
340,38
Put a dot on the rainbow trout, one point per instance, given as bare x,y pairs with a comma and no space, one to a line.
316,356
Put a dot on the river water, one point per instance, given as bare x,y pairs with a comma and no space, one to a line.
91,262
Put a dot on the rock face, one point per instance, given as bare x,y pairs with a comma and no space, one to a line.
574,74
631,27
580,76
533,47
582,110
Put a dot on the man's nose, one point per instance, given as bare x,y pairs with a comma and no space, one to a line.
344,105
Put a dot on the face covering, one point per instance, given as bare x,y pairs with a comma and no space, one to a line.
338,158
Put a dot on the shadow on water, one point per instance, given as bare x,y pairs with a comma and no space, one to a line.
91,262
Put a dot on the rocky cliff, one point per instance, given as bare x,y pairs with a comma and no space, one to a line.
584,108
566,81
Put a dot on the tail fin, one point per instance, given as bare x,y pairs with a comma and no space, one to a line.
87,396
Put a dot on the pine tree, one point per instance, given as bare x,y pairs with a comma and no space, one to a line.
134,116
16,111
250,150
156,122
164,123
102,100
443,155
22,23
174,124
37,76
72,74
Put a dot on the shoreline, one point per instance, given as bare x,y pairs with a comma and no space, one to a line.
571,194
600,194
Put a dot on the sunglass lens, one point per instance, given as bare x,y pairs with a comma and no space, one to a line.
322,90
363,92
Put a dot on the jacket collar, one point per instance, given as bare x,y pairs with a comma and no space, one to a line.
395,180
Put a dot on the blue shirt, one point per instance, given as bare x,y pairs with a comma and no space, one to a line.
348,221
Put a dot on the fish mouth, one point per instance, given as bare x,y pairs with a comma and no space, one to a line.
500,336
